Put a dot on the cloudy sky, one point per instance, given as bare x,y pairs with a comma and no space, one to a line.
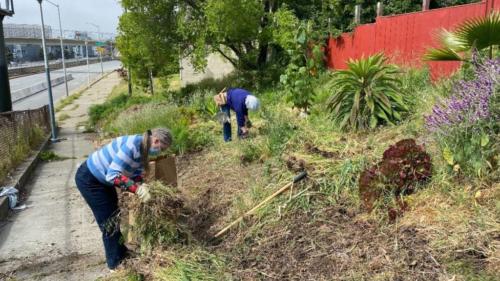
74,14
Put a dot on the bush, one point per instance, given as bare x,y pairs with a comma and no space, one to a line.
404,166
278,130
112,106
250,151
180,120
367,94
465,125
414,84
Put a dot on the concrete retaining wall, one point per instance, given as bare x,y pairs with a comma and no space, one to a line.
14,72
37,88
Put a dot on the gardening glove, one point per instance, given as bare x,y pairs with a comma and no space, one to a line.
143,193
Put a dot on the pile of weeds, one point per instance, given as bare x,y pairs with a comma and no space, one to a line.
156,223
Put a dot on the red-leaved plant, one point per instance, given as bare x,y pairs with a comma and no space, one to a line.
404,166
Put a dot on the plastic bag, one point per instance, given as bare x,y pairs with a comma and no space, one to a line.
11,193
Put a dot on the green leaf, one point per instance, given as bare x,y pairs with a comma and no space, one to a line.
448,156
283,78
484,140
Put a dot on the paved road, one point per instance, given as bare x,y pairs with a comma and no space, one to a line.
80,79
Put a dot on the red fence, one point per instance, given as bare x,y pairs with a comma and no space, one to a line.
404,38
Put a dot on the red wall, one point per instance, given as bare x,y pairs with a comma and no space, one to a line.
404,38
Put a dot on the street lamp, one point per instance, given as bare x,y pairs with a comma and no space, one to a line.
6,9
62,46
88,66
49,84
98,38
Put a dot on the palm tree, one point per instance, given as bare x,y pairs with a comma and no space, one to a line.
477,33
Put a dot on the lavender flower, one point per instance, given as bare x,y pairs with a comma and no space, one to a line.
470,100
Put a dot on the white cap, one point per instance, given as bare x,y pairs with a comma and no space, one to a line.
252,102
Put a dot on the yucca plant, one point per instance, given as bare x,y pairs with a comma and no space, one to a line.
367,94
478,33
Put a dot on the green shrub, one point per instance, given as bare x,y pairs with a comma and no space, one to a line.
367,94
250,151
180,120
415,83
301,74
112,106
278,131
465,125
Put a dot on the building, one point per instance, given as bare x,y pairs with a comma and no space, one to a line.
25,31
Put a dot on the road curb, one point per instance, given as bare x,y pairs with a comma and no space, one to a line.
37,88
23,177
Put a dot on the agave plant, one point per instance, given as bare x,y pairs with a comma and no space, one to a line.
477,33
367,94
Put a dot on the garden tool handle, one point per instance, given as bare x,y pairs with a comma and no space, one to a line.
297,178
300,177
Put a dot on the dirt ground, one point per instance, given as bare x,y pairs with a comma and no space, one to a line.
339,243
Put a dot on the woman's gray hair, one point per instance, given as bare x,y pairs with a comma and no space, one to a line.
163,134
165,137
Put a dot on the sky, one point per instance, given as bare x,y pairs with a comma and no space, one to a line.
74,14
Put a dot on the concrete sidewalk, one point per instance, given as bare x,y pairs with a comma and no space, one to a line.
56,238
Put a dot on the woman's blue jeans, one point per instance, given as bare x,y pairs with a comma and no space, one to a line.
103,201
226,128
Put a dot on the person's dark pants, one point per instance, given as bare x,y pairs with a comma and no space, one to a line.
103,201
227,126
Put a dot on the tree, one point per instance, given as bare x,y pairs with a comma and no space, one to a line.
407,6
147,38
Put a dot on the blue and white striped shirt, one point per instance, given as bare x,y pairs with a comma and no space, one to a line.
120,157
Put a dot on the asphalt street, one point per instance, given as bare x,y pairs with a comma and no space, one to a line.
80,79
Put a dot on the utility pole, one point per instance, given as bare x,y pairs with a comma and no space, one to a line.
62,46
49,84
98,38
129,74
5,97
151,82
88,66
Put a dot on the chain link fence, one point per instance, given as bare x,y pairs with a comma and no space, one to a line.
20,132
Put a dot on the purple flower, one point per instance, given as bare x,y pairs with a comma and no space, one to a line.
470,100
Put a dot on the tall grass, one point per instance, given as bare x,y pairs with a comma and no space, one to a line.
113,106
20,150
187,135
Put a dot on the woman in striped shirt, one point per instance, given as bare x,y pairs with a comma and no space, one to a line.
121,164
